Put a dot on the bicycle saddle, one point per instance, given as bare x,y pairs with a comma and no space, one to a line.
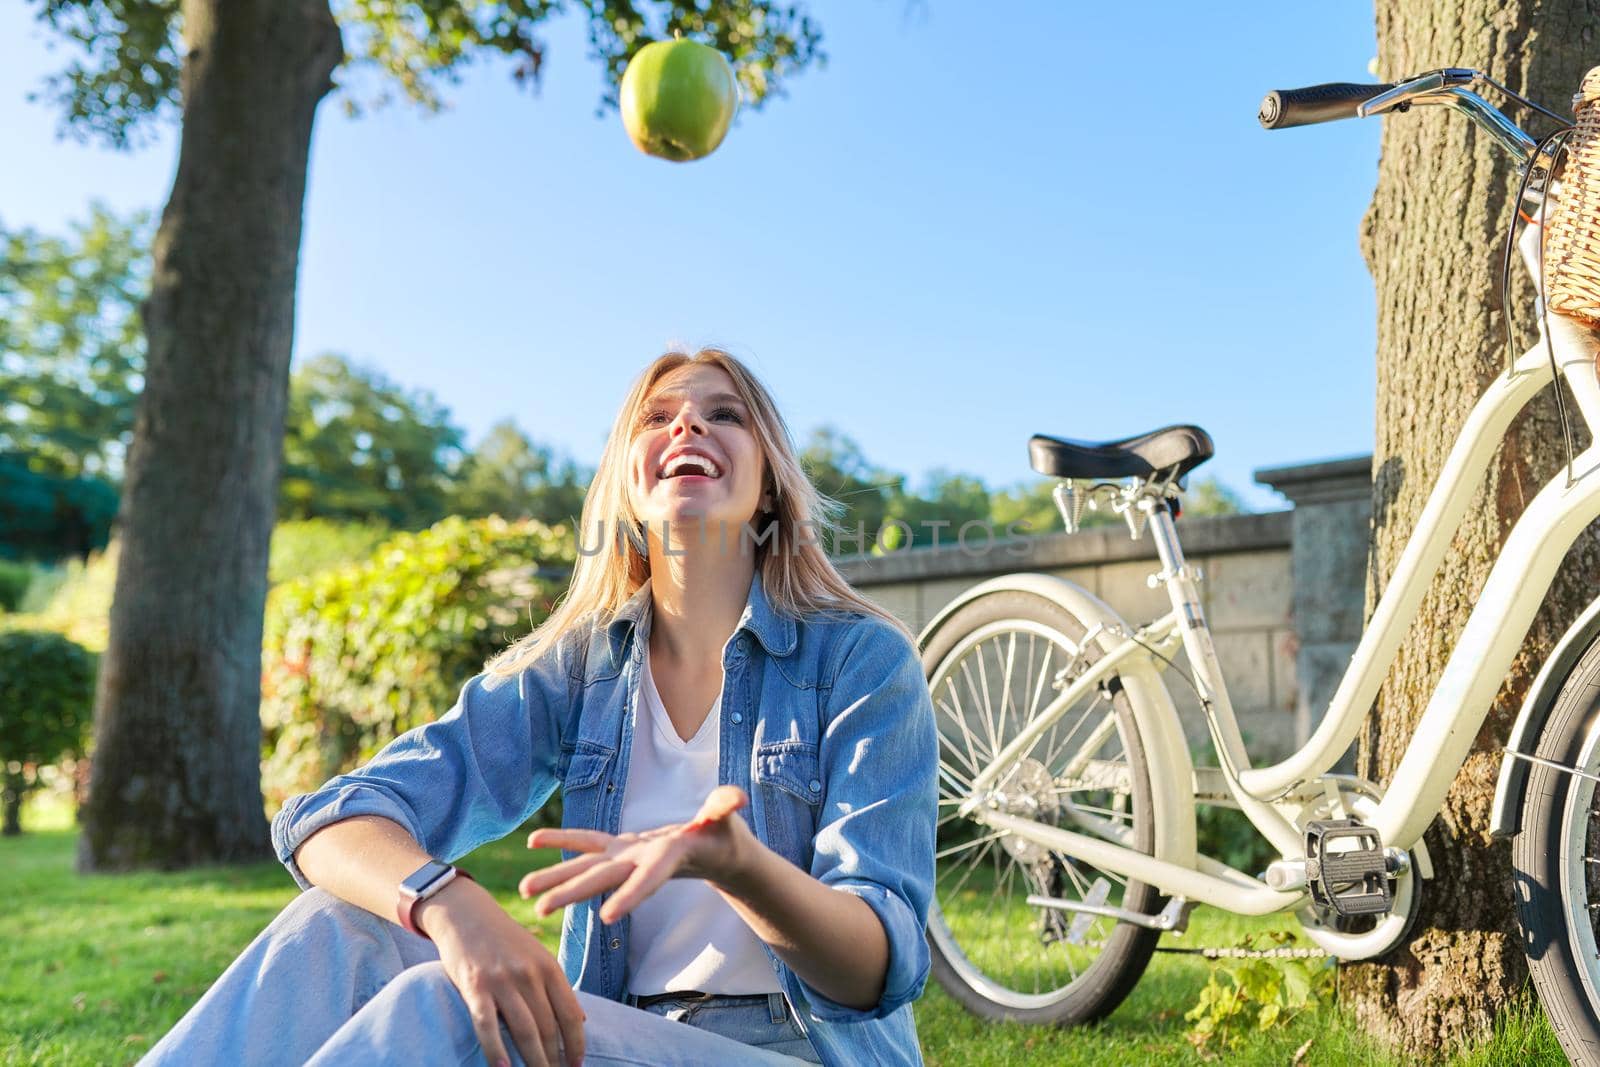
1144,456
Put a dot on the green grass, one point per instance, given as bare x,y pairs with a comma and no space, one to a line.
96,968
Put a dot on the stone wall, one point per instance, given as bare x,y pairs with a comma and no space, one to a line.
1281,593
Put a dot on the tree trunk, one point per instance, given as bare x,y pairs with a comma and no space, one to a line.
175,778
1433,239
12,790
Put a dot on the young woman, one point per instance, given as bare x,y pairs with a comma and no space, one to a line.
747,758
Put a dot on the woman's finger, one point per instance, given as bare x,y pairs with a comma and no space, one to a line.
637,887
486,1024
536,1005
723,801
540,880
595,880
576,840
568,1012
534,1035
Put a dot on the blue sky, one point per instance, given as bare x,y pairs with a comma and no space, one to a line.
961,232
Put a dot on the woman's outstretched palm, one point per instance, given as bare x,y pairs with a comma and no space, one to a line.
712,845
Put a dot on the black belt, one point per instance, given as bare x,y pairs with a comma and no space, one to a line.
695,996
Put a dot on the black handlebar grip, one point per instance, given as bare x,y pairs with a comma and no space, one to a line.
1316,103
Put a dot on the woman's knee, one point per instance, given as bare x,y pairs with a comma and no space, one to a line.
317,905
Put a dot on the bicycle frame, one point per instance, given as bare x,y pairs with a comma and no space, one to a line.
1472,676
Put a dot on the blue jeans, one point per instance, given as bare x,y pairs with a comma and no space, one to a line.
328,982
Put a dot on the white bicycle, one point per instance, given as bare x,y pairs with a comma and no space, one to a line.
1067,792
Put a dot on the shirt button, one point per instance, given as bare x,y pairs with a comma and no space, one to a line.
816,786
737,718
616,943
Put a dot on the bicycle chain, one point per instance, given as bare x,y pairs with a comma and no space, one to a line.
1248,953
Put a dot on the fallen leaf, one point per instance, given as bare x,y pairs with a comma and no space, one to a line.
159,976
79,1001
1300,1053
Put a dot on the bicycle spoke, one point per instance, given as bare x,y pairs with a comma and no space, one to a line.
1074,773
953,849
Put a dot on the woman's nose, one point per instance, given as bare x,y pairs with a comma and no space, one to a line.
687,421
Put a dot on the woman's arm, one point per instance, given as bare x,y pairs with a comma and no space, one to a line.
472,775
832,939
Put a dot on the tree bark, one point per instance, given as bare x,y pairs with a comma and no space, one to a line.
1433,238
175,778
12,790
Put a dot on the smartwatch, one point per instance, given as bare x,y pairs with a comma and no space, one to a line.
421,884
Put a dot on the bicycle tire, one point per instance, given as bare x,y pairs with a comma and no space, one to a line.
1126,949
1558,889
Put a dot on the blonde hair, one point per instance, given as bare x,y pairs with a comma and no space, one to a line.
798,578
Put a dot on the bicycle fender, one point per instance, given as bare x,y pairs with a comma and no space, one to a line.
1507,816
1156,716
1075,598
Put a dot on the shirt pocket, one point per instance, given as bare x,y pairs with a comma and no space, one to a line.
583,787
789,788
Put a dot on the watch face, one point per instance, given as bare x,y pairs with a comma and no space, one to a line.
425,876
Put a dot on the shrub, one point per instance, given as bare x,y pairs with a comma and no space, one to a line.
356,656
14,581
301,547
79,601
46,706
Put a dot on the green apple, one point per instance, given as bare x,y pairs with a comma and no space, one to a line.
678,98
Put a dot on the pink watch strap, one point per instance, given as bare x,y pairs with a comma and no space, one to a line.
407,904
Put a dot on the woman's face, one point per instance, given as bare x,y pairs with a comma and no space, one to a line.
695,409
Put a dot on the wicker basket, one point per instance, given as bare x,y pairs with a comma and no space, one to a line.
1572,236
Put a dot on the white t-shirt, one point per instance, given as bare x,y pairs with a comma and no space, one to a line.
684,936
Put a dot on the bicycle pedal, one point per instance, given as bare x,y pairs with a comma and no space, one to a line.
1355,879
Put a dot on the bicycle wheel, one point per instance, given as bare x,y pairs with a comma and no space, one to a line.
1556,860
994,665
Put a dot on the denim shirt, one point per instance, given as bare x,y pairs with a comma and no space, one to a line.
826,722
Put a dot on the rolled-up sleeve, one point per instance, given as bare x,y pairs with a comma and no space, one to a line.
875,838
469,777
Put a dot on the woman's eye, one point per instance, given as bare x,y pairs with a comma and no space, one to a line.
653,418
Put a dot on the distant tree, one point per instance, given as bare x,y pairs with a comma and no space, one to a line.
357,447
71,348
50,517
508,475
839,470
177,710
1207,496
937,514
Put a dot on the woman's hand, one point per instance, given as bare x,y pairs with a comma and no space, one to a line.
501,970
714,845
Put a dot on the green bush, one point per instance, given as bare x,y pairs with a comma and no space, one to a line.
46,707
301,547
356,656
14,581
73,600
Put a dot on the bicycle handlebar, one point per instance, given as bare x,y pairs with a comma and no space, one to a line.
1446,86
1283,108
